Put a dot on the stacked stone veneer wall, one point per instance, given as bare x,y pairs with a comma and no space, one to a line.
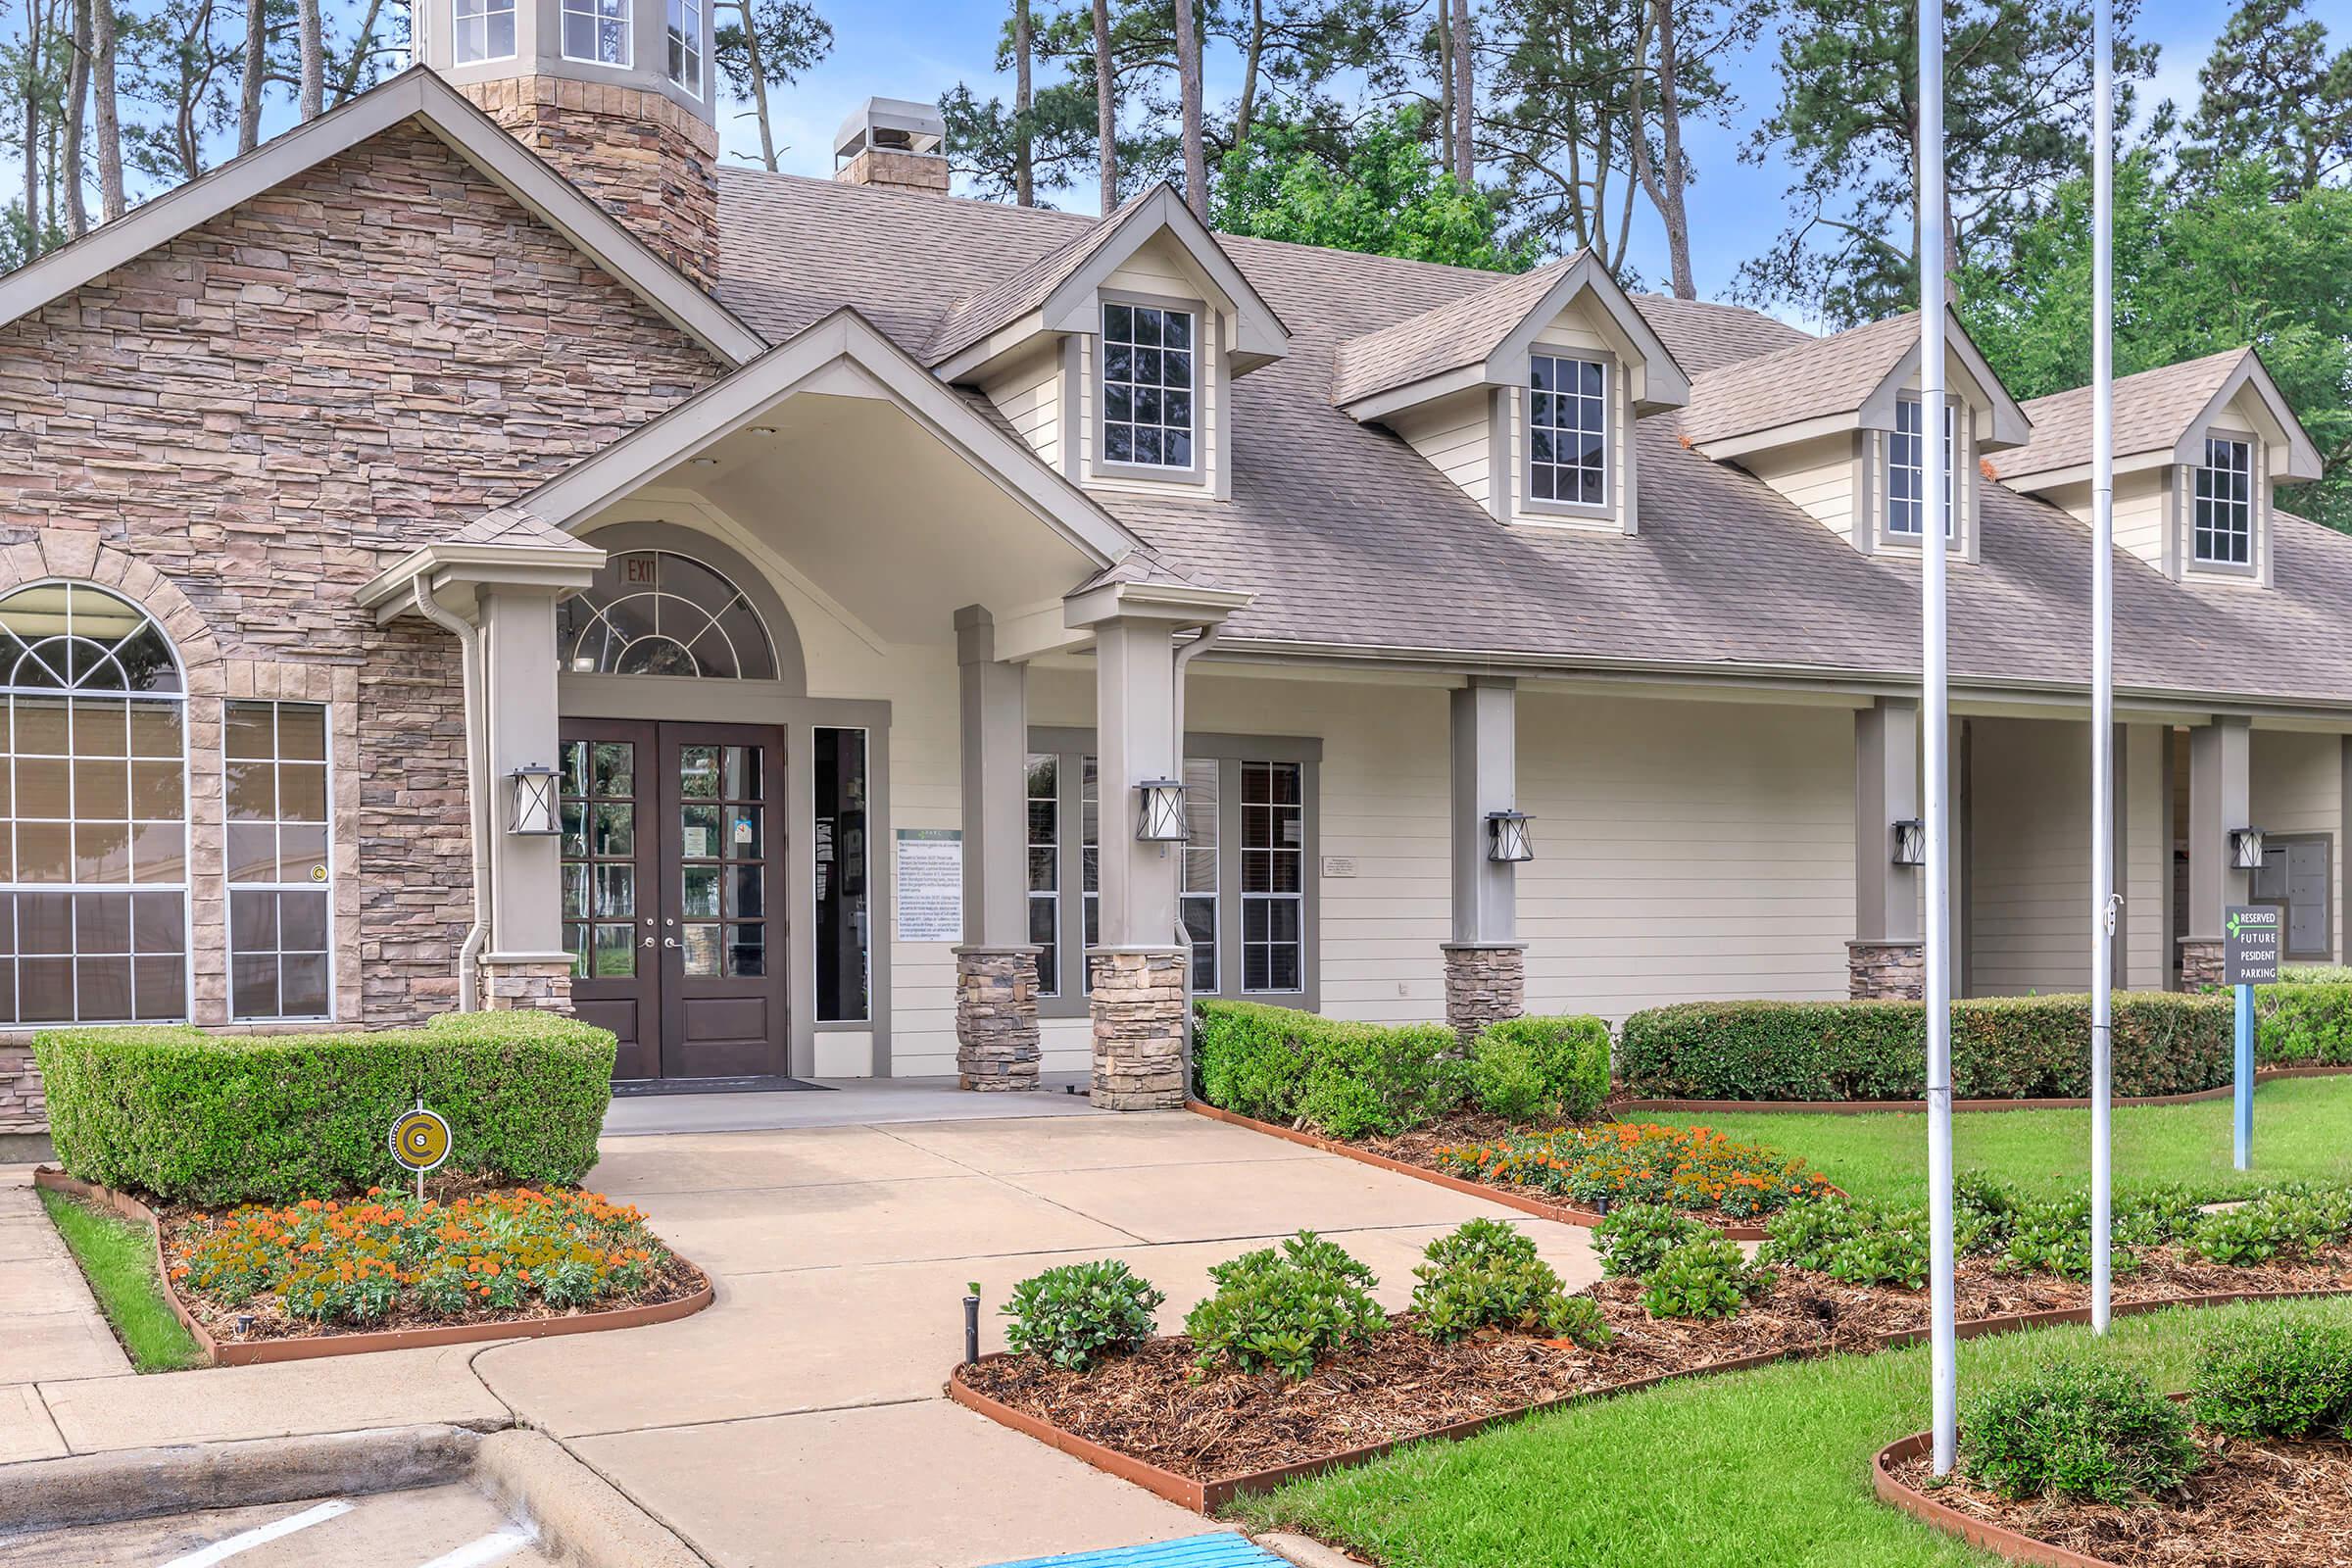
22,1108
1137,1005
1887,971
644,159
996,1019
1486,982
2201,962
245,424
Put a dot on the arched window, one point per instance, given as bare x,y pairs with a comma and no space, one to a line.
94,849
659,613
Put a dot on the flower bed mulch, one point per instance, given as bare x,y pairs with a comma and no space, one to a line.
2253,1503
384,1271
1152,1406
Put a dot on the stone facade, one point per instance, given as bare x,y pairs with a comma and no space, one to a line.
644,159
23,1109
242,426
534,984
1887,971
923,172
996,1019
1138,1029
2201,962
1484,982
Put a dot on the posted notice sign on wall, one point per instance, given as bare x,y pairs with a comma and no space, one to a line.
930,884
2251,945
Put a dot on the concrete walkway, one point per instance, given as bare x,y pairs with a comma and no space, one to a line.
801,1420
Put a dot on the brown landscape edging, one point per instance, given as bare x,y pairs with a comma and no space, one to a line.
1207,1497
1871,1107
1976,1532
1564,1213
311,1347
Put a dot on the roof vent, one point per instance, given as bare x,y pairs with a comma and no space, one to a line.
893,143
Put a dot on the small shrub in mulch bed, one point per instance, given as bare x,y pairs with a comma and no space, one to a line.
2085,1456
389,1262
1691,1169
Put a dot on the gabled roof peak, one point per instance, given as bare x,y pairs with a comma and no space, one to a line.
2156,411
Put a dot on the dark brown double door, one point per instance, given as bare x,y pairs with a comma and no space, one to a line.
673,857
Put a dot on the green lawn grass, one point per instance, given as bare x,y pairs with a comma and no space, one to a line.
117,1258
1766,1469
2299,1134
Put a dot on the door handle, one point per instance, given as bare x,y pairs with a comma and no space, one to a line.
667,942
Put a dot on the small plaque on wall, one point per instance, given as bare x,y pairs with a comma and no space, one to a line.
1339,865
930,884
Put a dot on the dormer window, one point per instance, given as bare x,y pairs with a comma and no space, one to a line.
1568,430
2225,498
1907,475
484,29
1149,377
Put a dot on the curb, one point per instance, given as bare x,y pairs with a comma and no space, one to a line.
1206,1496
592,1521
1509,1199
1879,1108
311,1347
1975,1532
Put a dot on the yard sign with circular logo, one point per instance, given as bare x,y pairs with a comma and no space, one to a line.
419,1142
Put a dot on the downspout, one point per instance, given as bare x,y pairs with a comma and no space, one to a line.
469,651
1184,937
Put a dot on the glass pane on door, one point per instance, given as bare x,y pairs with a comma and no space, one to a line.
722,864
599,857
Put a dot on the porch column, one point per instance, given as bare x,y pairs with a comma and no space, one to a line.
525,964
1486,963
996,968
1139,986
1888,957
2220,799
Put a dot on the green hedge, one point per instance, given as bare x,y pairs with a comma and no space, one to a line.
2003,1048
1542,1066
2304,1024
269,1118
1350,1079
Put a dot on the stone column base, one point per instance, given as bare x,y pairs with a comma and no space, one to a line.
542,982
1486,982
23,1109
2200,962
996,1019
1887,971
1138,1029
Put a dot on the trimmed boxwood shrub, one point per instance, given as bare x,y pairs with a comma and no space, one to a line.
2003,1048
2078,1429
1345,1079
1526,1067
217,1119
2304,1024
2263,1377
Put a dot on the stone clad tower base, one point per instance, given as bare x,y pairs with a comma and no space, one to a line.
2200,962
1138,1028
1887,971
1486,982
996,1017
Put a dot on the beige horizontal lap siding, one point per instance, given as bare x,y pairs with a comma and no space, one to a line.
1029,396
2029,856
1684,852
2146,872
1451,435
2297,788
1817,476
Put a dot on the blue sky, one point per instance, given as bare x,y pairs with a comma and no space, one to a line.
921,48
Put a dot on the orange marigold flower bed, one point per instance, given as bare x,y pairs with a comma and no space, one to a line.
1695,1169
391,1260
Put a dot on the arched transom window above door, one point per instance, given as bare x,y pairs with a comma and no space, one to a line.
662,612
93,810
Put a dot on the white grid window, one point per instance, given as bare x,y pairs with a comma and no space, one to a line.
686,44
1090,861
481,29
596,30
1200,894
1907,475
1273,877
1045,869
2225,521
273,767
1148,383
1568,430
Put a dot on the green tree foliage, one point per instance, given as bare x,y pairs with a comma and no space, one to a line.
2274,89
2198,268
1382,193
2017,109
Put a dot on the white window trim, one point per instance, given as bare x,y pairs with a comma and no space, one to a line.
1190,473
1888,531
2253,508
569,9
489,8
1528,501
229,889
700,10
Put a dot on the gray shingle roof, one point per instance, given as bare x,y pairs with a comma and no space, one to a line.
515,526
1808,379
1446,337
1351,540
2153,411
972,317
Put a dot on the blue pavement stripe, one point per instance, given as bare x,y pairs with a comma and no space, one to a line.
1224,1550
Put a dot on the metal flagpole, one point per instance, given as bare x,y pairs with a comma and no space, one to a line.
1935,467
2102,659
